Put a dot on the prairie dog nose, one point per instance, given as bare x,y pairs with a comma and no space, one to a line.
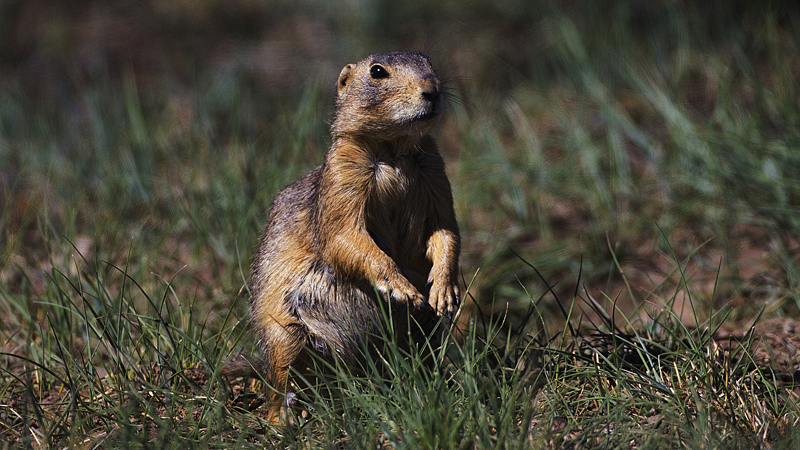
430,87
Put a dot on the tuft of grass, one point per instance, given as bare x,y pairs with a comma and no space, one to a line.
105,362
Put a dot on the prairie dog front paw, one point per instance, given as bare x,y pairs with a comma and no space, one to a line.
444,298
400,291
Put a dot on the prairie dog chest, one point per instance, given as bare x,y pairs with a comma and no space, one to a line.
396,208
393,181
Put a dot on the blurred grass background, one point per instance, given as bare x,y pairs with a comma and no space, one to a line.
643,154
594,138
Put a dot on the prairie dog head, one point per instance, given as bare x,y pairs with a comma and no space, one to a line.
388,95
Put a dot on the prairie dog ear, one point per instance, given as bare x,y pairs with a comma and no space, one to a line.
344,78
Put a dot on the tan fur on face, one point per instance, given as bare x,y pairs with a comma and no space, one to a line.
397,99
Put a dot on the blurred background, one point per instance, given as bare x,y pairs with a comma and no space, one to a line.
643,154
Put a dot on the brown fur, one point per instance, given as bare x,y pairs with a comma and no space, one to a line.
377,215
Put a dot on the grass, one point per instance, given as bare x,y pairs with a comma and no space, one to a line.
134,368
625,176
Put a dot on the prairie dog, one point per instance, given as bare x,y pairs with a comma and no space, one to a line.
376,216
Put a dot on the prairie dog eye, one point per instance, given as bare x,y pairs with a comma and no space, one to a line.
378,71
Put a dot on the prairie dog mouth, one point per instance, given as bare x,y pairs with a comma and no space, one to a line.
426,116
431,110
